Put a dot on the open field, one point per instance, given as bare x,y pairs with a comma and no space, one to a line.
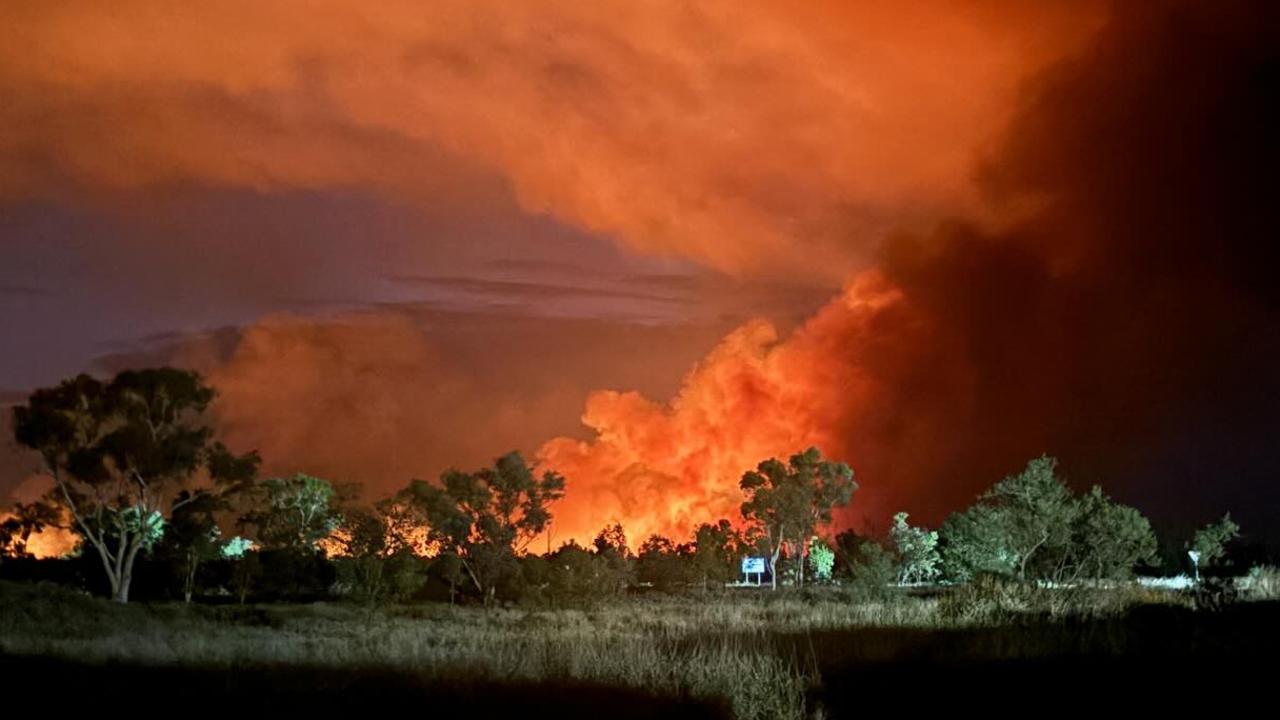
747,655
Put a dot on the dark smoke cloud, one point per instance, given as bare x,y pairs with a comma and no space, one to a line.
1120,315
1129,322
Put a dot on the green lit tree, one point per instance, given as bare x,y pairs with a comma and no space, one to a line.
1037,511
1110,539
1032,527
822,559
975,542
125,454
789,501
918,558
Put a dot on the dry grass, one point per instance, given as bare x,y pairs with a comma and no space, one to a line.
727,648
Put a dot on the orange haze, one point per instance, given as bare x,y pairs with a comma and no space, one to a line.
735,134
1037,254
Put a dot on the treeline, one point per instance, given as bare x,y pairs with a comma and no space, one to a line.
143,483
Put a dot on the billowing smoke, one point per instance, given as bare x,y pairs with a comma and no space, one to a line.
1103,295
1124,318
750,137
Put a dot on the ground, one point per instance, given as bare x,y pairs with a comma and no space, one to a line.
747,654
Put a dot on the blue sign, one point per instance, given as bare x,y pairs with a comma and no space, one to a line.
752,565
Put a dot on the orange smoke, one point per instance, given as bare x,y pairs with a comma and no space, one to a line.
666,468
729,133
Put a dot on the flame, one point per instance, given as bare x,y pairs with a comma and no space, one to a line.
51,542
665,468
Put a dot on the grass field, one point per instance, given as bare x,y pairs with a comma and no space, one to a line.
750,654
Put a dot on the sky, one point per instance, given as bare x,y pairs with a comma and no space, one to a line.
651,244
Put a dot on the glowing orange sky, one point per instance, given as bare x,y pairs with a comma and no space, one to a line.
973,187
750,137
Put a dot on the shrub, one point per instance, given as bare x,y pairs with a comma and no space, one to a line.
873,572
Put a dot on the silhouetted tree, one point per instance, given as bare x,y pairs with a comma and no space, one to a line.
611,547
294,513
373,558
486,517
717,548
121,453
662,564
25,519
191,538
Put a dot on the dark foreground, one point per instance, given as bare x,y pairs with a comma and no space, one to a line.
1148,658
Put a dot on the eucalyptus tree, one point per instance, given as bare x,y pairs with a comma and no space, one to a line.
125,454
487,517
788,501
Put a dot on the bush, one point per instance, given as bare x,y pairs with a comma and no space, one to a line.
1262,583
988,599
394,578
873,572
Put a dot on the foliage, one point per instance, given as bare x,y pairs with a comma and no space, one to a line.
872,571
663,564
294,513
293,574
245,573
822,559
1110,539
125,454
789,501
24,520
973,542
618,571
1031,526
1262,583
1036,511
918,559
193,537
575,575
1211,540
487,516
375,562
236,547
716,550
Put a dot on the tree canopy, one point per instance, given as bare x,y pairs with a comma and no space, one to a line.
486,517
788,501
1032,526
125,454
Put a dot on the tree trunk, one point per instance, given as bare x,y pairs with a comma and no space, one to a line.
800,557
189,585
773,565
121,591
